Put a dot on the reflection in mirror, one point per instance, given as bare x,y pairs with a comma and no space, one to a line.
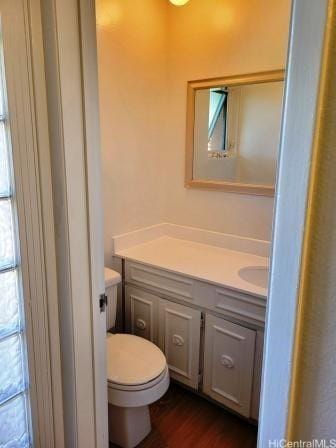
236,132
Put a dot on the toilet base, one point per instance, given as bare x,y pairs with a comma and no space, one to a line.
128,426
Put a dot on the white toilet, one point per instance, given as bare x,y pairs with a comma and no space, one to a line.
137,375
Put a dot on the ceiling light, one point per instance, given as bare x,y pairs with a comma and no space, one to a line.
178,2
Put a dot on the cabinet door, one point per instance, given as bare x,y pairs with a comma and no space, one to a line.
228,363
142,314
179,339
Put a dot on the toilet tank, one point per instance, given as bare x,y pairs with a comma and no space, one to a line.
112,280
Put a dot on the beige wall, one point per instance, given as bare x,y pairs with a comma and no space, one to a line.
148,50
209,39
132,75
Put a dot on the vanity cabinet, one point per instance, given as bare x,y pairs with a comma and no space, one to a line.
211,336
175,328
228,363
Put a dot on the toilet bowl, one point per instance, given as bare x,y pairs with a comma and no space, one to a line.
137,375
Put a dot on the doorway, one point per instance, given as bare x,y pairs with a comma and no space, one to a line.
77,77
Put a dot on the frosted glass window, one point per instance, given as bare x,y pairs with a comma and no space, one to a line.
2,82
14,423
12,376
4,168
9,304
6,235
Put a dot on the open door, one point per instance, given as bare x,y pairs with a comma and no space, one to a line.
95,213
72,89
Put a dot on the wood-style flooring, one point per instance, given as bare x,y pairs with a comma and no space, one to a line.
184,420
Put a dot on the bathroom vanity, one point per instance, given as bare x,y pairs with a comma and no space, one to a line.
204,306
204,303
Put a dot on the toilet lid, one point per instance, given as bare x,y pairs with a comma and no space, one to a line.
132,360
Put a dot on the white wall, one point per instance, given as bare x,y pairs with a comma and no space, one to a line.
210,39
148,50
132,76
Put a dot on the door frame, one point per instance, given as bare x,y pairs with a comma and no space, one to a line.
310,37
72,93
89,63
26,96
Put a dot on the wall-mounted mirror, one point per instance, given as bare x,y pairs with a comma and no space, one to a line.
233,132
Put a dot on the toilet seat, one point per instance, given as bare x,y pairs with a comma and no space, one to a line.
136,387
137,371
132,361
141,395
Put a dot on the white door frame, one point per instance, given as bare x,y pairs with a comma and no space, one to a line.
24,69
295,199
87,21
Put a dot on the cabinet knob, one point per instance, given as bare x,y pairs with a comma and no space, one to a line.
141,324
178,340
227,362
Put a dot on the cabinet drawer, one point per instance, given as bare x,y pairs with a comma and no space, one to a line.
158,280
228,364
239,305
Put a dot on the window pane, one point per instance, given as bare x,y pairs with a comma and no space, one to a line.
4,168
14,426
11,372
2,84
6,235
9,303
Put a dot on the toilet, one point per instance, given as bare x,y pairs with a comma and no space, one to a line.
137,375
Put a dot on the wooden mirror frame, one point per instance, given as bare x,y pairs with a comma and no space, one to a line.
193,86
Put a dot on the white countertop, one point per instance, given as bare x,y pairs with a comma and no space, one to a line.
200,261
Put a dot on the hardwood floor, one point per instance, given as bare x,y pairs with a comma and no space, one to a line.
183,420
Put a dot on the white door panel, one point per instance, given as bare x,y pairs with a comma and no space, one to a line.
179,338
142,314
228,363
94,211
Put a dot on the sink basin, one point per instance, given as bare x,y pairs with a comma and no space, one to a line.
257,275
